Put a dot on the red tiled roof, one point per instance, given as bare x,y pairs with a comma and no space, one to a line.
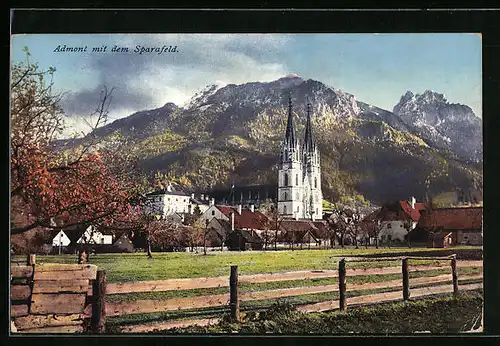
298,225
247,219
412,213
453,218
298,236
420,206
225,209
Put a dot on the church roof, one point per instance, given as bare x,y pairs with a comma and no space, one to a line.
290,132
308,140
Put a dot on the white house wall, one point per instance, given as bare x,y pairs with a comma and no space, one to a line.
203,207
169,203
212,212
65,241
393,228
95,237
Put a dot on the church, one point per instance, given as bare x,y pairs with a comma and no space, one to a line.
299,173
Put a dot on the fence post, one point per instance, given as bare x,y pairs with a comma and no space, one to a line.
454,274
98,302
342,282
406,280
233,294
31,259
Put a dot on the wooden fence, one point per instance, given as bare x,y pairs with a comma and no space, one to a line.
96,289
235,297
52,298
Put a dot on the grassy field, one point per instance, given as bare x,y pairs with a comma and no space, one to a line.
166,265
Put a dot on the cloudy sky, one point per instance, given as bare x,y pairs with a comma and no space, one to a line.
376,68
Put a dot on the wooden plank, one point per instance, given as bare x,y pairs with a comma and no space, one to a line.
85,273
295,275
72,286
470,277
430,279
20,281
62,303
18,310
148,306
21,272
56,330
56,267
166,285
387,259
145,328
42,321
20,292
460,264
373,271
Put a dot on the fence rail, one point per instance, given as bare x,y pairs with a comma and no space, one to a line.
223,281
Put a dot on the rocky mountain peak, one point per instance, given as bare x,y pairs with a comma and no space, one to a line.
445,125
170,106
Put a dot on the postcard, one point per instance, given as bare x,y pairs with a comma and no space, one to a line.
246,183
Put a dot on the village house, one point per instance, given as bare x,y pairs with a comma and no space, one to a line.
453,226
123,243
218,231
299,233
60,239
72,239
203,202
240,240
398,217
165,201
174,217
234,226
239,217
92,235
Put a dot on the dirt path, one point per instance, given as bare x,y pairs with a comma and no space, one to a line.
145,328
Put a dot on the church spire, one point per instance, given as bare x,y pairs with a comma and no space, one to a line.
290,132
308,141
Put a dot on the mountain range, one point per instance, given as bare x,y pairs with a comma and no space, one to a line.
232,133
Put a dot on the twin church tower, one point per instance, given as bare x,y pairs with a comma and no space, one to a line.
299,173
